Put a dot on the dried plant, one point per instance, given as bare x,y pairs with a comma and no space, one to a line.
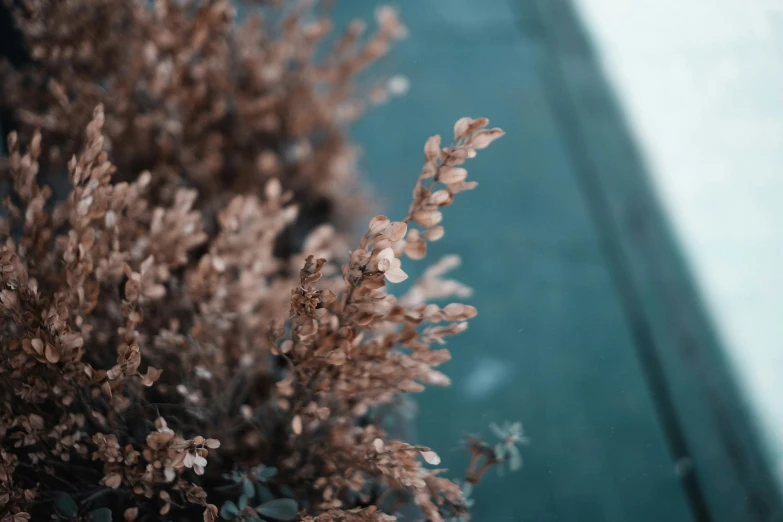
200,101
163,358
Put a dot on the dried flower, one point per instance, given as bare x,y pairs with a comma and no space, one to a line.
390,266
182,327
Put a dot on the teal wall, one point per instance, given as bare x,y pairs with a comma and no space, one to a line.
589,330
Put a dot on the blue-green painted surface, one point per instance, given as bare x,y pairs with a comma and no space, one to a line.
555,344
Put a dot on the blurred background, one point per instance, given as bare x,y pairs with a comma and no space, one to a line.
624,247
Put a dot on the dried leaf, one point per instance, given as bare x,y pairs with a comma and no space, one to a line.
427,218
396,231
52,353
431,457
483,138
461,128
38,346
112,480
434,233
432,148
378,224
395,274
210,513
296,425
452,175
152,375
416,249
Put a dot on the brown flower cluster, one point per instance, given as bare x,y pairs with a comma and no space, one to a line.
176,340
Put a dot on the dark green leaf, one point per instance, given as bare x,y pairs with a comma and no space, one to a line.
248,488
265,472
229,510
263,493
64,505
287,492
279,509
101,515
242,504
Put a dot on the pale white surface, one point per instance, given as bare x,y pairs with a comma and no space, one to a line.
701,82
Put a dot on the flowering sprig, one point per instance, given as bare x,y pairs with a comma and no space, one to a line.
125,274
